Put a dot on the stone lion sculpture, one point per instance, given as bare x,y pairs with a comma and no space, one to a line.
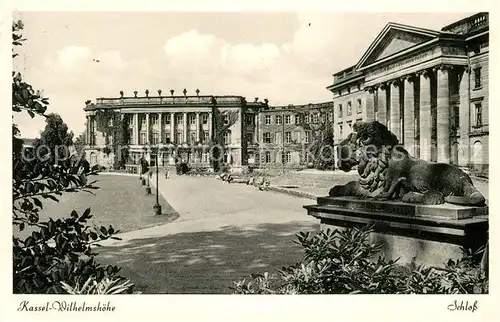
388,171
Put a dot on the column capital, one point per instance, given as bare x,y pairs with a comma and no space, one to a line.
370,89
410,78
444,67
426,73
382,86
395,82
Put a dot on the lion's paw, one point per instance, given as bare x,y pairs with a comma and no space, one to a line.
337,191
433,198
412,197
381,197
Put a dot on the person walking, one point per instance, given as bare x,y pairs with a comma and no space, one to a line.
167,173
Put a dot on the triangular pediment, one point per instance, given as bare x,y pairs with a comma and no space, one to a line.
393,39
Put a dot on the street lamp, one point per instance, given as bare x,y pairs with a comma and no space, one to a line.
148,187
157,206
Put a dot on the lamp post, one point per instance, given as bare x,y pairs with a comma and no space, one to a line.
148,187
157,207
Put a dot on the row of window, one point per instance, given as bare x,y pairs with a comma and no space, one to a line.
268,157
359,108
178,139
134,158
267,137
348,90
315,118
179,119
349,128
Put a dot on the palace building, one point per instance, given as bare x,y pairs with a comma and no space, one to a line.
429,87
260,134
172,121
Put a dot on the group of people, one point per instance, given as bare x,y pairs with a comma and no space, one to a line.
226,177
262,184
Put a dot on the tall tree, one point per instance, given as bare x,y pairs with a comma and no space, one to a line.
79,143
321,139
223,120
55,133
57,250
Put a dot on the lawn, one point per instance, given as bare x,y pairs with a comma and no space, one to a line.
320,183
120,201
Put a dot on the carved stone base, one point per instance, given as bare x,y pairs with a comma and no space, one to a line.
417,234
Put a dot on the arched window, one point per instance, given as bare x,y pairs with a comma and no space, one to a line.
93,158
454,153
477,153
227,137
268,157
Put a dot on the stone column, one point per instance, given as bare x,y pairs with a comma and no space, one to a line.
443,115
382,104
464,113
256,128
147,129
172,127
409,124
136,128
185,128
370,105
395,110
425,116
210,126
198,126
160,128
87,131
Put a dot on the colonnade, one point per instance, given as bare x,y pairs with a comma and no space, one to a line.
412,107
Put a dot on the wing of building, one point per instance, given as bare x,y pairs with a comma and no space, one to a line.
182,128
429,87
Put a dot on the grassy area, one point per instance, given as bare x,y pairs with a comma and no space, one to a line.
121,202
320,183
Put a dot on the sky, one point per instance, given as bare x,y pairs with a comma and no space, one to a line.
288,58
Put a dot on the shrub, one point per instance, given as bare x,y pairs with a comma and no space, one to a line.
181,168
106,286
345,262
225,168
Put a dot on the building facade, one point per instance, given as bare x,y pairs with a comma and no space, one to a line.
286,132
429,87
182,127
258,134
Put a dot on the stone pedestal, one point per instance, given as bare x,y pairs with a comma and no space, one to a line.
418,234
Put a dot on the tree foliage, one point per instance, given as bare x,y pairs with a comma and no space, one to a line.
321,142
56,135
57,250
116,135
80,142
223,120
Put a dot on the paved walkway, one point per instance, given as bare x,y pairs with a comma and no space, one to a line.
224,233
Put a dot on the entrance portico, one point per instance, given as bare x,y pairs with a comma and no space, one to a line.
414,75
